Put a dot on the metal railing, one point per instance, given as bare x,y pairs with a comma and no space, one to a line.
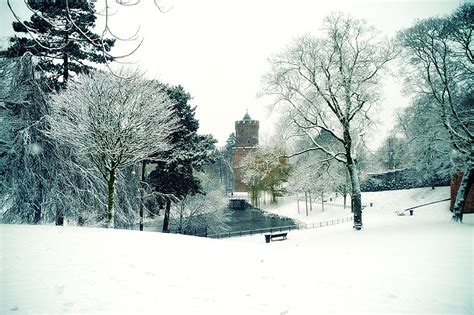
298,226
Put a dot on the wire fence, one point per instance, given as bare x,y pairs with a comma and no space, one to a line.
330,204
298,226
336,205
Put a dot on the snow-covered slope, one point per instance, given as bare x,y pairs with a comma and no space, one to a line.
411,264
382,203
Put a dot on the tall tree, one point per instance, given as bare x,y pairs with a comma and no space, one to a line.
265,169
392,153
206,210
441,65
40,180
60,33
331,83
426,142
21,147
226,163
174,169
114,122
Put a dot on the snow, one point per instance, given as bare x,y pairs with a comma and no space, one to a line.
382,203
396,264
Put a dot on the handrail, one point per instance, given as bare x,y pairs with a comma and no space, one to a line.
423,205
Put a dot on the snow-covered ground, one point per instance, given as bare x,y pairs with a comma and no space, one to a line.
396,264
382,203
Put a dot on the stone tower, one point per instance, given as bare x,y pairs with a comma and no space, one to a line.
246,141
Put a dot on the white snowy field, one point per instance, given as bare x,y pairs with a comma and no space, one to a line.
397,264
384,202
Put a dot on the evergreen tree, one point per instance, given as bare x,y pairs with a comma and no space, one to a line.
40,180
61,36
225,163
174,171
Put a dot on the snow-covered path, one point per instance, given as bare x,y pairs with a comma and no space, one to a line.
411,264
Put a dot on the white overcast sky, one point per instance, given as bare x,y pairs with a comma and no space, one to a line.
218,49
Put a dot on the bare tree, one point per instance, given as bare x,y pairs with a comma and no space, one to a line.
331,83
441,66
203,210
115,122
426,144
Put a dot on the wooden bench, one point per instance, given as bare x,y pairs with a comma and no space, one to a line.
402,212
269,237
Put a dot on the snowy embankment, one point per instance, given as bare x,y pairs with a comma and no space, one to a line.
396,264
384,202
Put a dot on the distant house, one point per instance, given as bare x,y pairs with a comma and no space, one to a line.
246,141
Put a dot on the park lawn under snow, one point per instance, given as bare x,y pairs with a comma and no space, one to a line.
396,264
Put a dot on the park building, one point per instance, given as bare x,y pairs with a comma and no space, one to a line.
246,141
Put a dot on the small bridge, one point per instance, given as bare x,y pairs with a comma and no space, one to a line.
238,201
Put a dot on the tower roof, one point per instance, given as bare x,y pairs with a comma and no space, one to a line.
247,116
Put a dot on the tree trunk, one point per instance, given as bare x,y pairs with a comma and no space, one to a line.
463,191
254,197
298,201
142,201
345,200
356,198
65,55
306,201
274,199
36,214
322,200
356,195
180,225
166,219
110,204
37,204
59,217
